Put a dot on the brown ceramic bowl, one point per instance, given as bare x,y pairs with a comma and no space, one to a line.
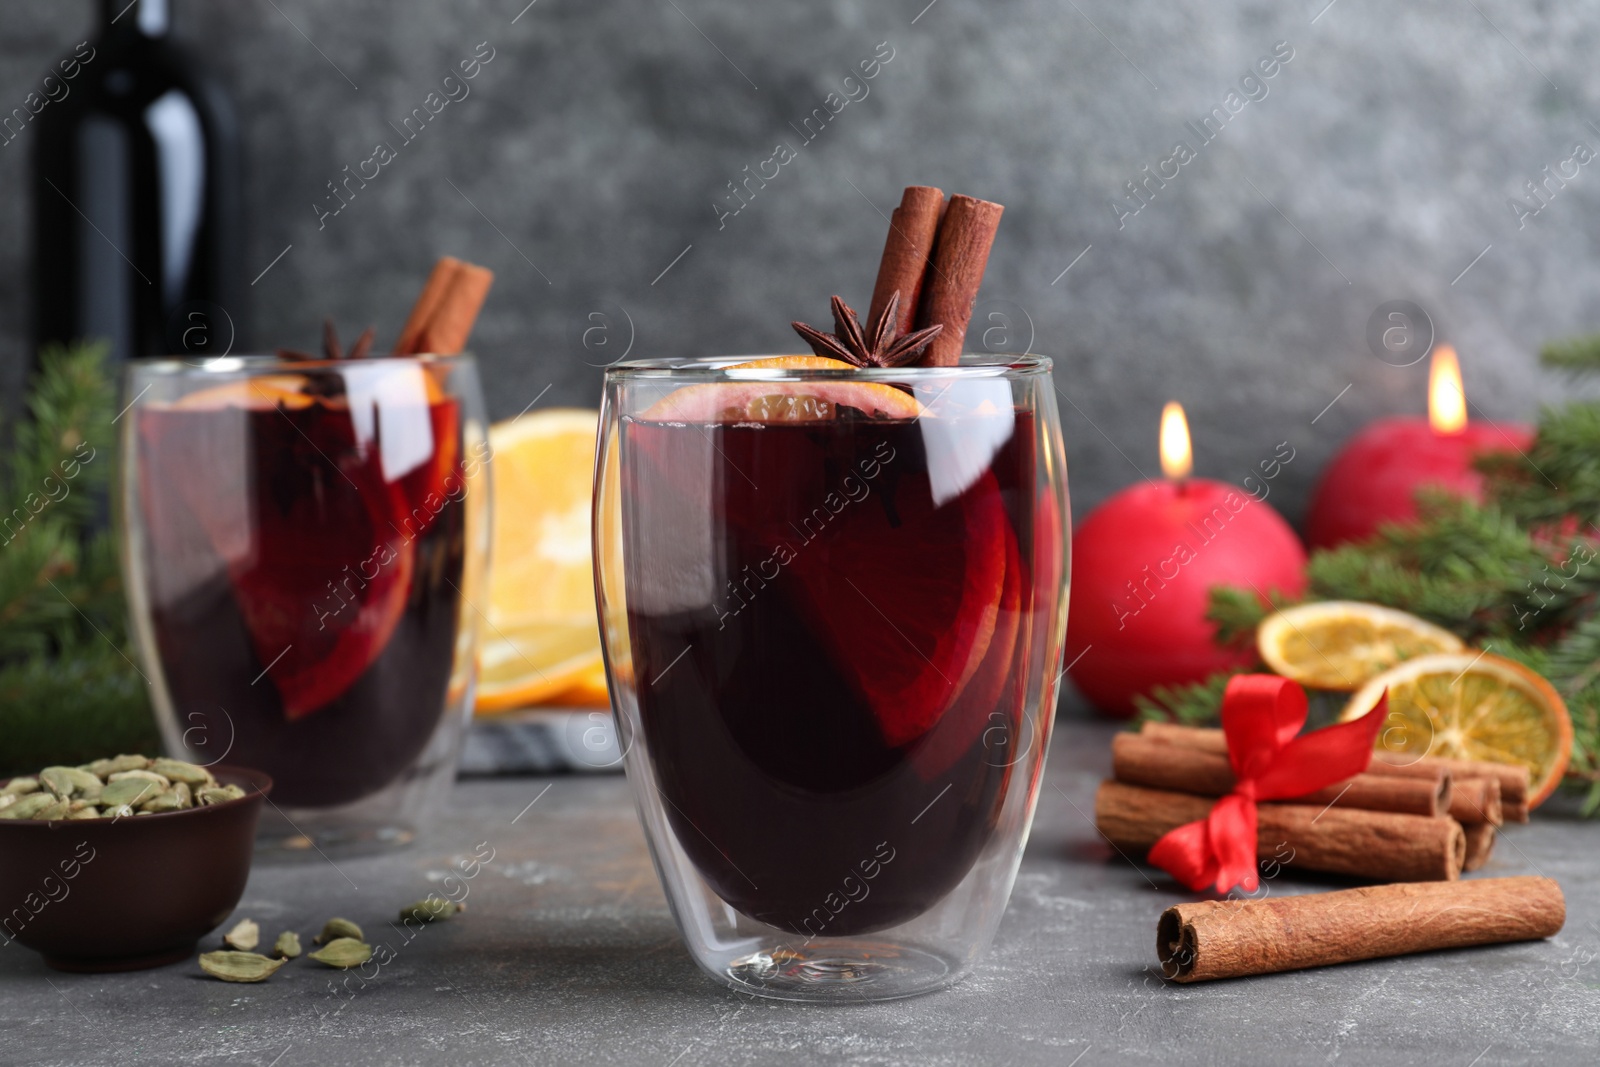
125,894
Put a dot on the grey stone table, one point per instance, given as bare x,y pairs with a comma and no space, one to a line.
567,954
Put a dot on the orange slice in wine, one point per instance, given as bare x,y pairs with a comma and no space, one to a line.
780,401
303,517
909,613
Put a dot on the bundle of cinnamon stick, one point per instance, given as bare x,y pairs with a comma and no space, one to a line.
934,257
1404,820
439,323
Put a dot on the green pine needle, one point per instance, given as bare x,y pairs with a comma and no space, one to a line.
69,691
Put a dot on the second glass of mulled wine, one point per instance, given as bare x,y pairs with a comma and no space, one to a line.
833,604
302,543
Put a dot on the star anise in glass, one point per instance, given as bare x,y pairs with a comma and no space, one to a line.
848,341
331,349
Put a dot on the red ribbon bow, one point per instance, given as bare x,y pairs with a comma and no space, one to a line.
1261,716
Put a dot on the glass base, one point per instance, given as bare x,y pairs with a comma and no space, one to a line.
843,971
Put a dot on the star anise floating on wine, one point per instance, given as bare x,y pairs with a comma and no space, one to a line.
849,343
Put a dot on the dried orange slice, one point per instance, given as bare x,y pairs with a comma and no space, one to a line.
1339,644
778,401
1476,706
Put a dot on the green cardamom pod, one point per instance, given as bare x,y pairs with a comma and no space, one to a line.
129,792
244,936
161,802
56,809
287,947
85,813
217,794
126,763
20,786
58,781
431,909
337,928
344,953
179,771
238,966
28,806
149,776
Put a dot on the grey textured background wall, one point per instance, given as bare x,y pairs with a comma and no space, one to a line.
588,158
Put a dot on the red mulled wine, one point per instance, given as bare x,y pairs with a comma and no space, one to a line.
826,617
303,552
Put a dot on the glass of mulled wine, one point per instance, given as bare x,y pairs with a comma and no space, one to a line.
302,543
833,604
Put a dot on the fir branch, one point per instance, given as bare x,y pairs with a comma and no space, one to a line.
1580,355
1471,569
68,689
72,708
1559,476
1195,704
1237,612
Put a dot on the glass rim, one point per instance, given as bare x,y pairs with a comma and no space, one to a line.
982,365
223,366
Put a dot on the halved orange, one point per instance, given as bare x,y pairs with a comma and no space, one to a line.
1339,644
542,636
590,691
1475,706
535,662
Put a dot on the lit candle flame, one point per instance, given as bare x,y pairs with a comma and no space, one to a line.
1177,458
1447,402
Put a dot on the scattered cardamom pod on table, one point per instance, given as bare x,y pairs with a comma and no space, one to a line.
343,953
336,928
239,966
244,936
287,947
431,909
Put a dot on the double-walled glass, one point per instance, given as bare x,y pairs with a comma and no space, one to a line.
833,604
302,546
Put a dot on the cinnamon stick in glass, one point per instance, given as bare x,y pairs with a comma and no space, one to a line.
960,254
1140,760
1377,845
442,318
906,250
1232,938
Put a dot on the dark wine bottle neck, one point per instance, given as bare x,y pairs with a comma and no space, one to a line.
135,18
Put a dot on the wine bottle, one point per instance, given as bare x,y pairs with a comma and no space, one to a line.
136,195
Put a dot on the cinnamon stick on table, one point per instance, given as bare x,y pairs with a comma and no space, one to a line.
960,253
905,256
1141,760
1480,844
1513,778
1232,938
1377,845
1475,801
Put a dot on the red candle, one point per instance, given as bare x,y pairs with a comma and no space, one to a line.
1143,565
1375,478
